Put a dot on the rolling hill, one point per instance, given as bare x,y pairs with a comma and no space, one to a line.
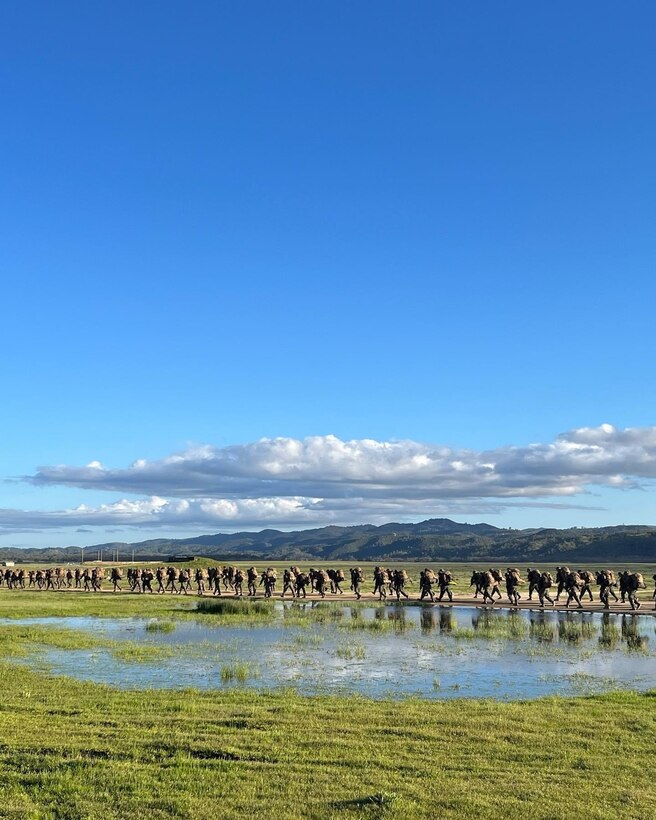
437,539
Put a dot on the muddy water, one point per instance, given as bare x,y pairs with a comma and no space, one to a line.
429,651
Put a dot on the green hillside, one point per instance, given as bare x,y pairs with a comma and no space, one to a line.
433,540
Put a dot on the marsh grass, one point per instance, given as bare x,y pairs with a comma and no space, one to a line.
377,625
637,643
160,626
490,627
20,641
236,608
576,631
350,653
543,632
308,640
239,672
305,615
134,652
610,636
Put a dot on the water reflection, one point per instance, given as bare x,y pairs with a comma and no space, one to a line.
576,627
397,615
542,627
448,622
427,619
635,640
609,636
437,618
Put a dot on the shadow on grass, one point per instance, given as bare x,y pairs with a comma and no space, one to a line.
380,802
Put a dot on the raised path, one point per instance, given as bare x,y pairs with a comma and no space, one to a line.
647,604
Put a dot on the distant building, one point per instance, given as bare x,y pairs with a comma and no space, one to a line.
176,559
8,563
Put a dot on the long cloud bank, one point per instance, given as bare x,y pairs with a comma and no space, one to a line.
229,514
327,467
323,479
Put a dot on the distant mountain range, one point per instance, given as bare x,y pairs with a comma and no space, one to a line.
435,540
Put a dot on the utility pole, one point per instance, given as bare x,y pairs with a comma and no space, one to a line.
133,556
82,548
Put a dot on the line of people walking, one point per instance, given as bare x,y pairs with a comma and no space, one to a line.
576,585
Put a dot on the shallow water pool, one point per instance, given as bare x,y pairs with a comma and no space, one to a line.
391,651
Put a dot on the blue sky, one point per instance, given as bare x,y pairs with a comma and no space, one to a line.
429,223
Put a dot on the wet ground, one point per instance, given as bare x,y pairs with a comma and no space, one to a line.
389,651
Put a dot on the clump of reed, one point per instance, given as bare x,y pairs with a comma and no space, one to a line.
239,672
377,625
235,607
160,626
349,653
488,627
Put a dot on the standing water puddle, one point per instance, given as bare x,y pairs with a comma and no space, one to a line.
392,651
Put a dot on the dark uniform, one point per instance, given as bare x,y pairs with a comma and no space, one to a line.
357,577
445,579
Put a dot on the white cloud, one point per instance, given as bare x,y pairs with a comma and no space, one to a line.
321,480
327,467
155,512
231,514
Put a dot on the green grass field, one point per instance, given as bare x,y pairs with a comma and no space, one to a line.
71,750
78,750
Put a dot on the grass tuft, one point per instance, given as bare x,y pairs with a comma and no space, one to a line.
160,626
239,672
235,608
